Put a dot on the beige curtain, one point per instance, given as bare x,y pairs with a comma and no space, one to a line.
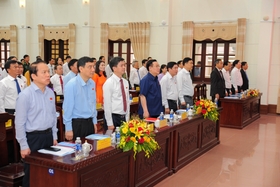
278,101
10,33
104,40
240,39
57,33
187,43
140,38
118,32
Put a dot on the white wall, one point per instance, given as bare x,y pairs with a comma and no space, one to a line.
262,48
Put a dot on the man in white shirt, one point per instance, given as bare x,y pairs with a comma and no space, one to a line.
66,69
57,80
180,65
51,66
236,78
134,75
3,72
143,70
184,82
226,74
116,95
20,71
10,87
169,89
73,71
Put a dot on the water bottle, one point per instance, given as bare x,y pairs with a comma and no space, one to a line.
118,135
78,151
188,107
216,102
161,116
171,115
130,97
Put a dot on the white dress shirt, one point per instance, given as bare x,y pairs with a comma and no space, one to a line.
169,89
9,93
184,83
3,73
227,78
65,68
134,77
179,69
108,71
143,71
236,78
51,68
57,87
24,80
112,97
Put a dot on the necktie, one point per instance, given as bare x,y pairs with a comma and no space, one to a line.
17,85
221,74
138,74
61,82
123,96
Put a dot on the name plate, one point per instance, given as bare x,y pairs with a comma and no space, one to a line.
184,115
162,123
102,144
8,123
151,127
58,98
135,99
137,88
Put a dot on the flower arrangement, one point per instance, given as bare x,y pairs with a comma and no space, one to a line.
253,92
207,108
136,135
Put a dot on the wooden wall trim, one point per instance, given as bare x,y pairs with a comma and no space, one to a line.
265,109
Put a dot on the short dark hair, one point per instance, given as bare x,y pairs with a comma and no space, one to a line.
72,62
100,58
68,57
11,57
217,61
226,63
93,59
82,62
97,70
235,62
243,63
171,64
33,68
179,62
144,61
186,60
8,64
162,67
149,63
19,63
25,56
115,61
55,67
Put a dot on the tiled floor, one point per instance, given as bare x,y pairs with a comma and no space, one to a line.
245,158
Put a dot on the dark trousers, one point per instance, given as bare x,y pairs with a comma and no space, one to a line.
35,142
188,100
117,121
10,111
172,105
82,127
228,90
233,90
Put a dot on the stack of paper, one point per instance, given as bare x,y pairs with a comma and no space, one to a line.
63,151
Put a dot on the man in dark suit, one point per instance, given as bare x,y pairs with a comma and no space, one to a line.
244,67
218,87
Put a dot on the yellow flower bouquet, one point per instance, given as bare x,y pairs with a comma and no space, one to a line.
207,108
135,134
253,92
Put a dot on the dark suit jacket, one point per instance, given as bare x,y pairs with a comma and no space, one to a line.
217,84
245,85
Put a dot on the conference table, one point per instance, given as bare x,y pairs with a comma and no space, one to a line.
180,143
238,113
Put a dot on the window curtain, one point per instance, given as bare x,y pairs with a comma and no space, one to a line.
57,33
104,40
278,101
10,33
240,39
187,46
140,39
202,31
